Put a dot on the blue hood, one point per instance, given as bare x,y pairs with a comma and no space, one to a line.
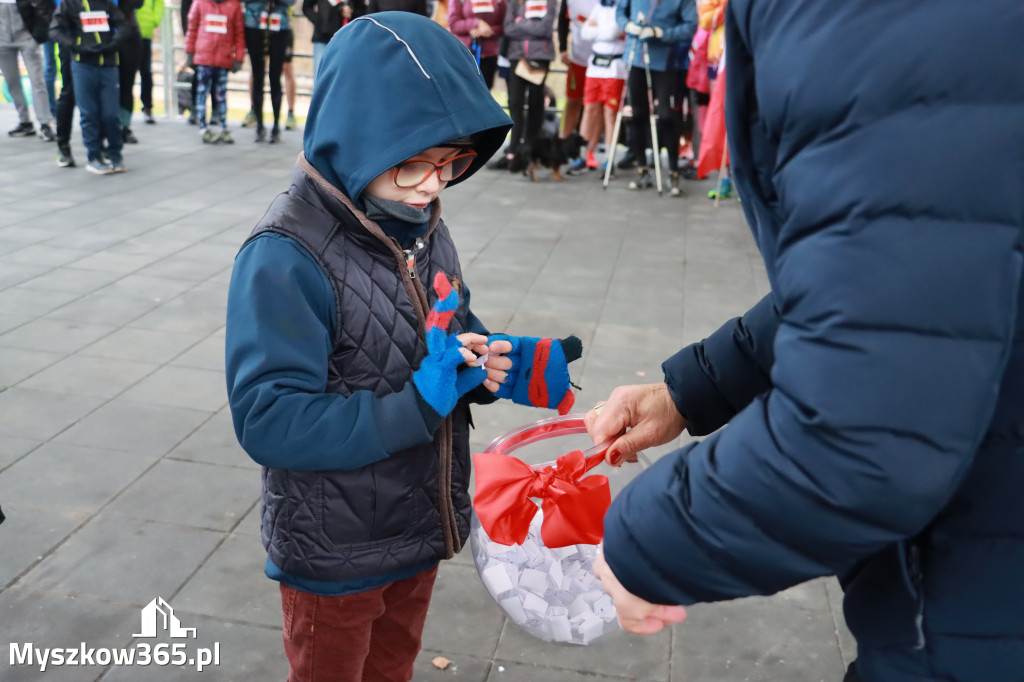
391,85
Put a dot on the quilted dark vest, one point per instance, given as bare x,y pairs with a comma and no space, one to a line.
414,506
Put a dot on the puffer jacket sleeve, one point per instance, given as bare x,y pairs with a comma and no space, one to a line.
37,15
280,327
897,301
194,19
62,25
713,380
683,24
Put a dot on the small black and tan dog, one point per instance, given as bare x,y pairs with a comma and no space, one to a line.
548,150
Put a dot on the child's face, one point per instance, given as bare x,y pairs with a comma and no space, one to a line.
419,196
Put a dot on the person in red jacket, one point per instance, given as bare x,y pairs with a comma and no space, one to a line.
214,44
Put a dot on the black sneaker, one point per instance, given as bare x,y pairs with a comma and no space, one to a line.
147,114
128,136
64,158
627,162
46,133
261,135
192,119
673,185
275,135
23,130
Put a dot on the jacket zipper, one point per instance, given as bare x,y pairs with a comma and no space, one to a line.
446,508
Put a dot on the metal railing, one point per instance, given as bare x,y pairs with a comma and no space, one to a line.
169,48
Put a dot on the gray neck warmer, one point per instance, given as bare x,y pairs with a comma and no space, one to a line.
377,209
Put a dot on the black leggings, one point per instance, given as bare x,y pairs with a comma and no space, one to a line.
128,66
277,44
526,123
665,94
66,101
146,74
488,67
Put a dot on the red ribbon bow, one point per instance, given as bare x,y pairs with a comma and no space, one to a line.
573,506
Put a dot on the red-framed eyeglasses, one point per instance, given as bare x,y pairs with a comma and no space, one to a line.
414,172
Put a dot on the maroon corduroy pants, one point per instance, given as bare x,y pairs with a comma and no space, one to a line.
372,635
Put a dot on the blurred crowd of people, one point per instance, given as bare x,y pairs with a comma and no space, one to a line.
625,59
103,46
620,56
652,63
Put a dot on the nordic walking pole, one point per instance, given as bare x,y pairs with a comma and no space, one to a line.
655,147
613,142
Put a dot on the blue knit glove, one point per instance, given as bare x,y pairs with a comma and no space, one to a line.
540,371
438,380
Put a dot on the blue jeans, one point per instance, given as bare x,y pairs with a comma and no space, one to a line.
98,94
50,73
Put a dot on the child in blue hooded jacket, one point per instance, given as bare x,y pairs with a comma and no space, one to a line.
352,352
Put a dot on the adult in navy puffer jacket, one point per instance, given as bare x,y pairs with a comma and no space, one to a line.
875,399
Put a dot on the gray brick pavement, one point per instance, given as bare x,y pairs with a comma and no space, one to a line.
119,471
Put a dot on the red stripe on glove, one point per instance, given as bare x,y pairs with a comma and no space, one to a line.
538,391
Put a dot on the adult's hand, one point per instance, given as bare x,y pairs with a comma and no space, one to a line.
649,413
649,32
635,615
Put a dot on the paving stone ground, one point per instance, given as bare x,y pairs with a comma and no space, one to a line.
120,474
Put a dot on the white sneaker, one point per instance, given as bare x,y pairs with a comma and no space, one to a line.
99,167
